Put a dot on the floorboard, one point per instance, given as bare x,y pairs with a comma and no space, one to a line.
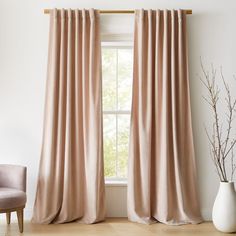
112,226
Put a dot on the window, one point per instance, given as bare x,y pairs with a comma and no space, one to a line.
117,63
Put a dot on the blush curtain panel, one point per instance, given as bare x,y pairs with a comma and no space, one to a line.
162,174
71,180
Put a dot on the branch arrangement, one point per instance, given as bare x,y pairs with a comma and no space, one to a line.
221,143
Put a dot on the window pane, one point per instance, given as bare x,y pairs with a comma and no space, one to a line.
125,75
117,64
123,144
109,134
109,78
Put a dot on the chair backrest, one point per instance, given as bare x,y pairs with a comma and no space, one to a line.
13,176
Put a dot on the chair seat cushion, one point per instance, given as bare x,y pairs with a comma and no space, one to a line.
11,198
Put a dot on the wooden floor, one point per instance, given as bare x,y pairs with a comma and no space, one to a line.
112,226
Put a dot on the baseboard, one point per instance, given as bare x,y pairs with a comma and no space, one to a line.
206,214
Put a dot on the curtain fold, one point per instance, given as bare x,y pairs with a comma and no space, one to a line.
162,176
71,179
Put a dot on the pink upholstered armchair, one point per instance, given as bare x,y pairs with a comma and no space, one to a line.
13,191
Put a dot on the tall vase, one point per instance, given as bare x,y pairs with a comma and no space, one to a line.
224,209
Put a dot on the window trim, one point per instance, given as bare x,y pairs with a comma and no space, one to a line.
117,44
116,181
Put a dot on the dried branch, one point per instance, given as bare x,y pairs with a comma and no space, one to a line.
220,146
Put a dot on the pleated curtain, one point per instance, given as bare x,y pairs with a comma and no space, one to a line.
71,180
162,174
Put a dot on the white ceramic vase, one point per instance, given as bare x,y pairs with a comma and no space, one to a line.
224,209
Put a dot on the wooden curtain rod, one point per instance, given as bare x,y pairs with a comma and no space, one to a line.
188,11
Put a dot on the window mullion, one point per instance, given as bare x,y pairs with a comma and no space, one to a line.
117,114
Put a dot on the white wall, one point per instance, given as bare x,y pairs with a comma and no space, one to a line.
23,59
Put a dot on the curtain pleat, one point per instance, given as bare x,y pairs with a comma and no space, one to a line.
71,179
162,174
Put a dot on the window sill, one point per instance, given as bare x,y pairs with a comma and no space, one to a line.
116,183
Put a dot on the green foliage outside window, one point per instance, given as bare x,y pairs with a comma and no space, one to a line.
117,90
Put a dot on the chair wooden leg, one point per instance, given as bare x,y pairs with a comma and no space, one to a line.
8,216
20,217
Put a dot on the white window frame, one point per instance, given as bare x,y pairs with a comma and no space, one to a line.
117,45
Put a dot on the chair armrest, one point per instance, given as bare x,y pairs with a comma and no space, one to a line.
13,176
